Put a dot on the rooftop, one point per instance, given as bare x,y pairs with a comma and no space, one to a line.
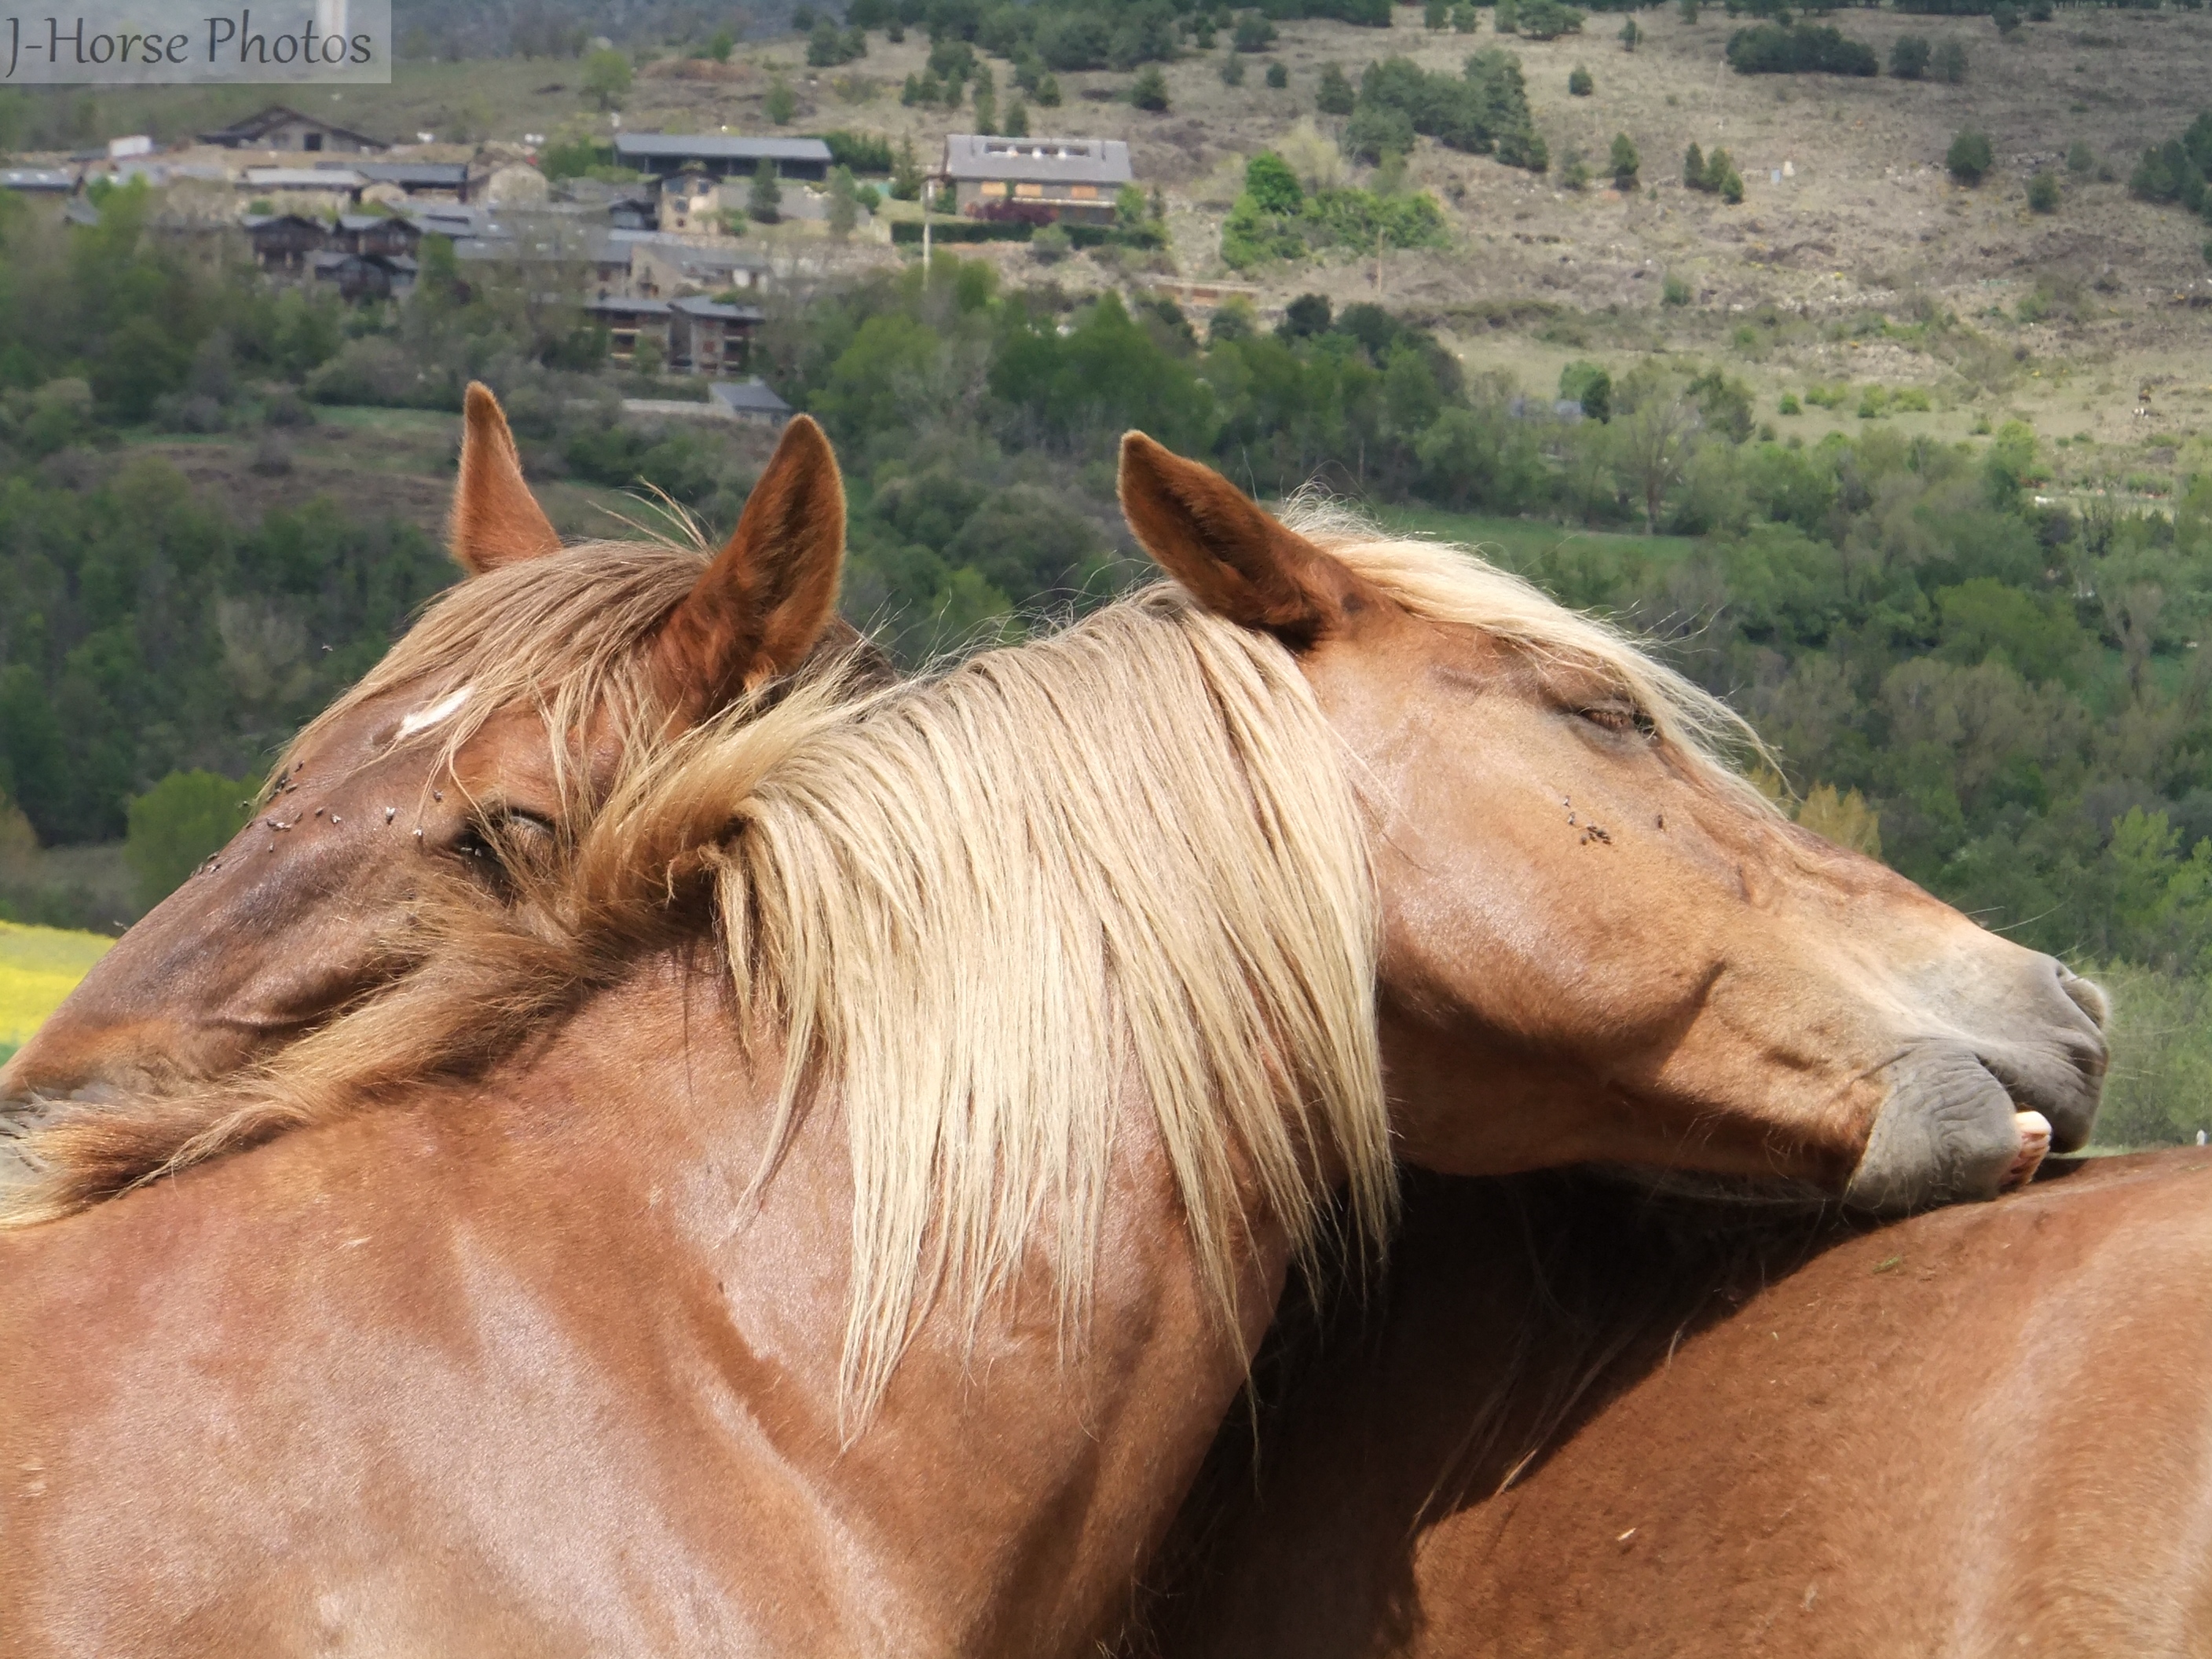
425,175
1039,160
675,146
343,179
748,397
693,306
240,135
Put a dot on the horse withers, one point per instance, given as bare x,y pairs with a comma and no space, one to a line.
836,1213
487,731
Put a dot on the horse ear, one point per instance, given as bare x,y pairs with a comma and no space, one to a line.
495,521
1236,561
763,602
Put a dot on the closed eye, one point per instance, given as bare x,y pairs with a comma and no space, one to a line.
1620,718
504,837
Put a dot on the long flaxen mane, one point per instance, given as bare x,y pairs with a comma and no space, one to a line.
563,634
975,914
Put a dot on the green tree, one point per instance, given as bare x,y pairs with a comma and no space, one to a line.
906,174
1630,35
1253,32
1908,57
2081,160
721,45
1129,208
1149,91
844,204
1016,124
1970,157
607,78
1627,164
1579,84
1333,93
1278,76
1232,70
1689,9
1464,18
1436,14
2006,16
1950,62
1272,186
781,103
764,202
2043,192
179,823
1693,167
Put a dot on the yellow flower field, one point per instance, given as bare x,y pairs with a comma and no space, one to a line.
39,966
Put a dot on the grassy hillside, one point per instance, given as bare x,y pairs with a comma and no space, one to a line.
39,966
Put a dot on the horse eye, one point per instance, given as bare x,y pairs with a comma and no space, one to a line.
1620,717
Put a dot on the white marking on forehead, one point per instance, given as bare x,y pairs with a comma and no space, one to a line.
443,710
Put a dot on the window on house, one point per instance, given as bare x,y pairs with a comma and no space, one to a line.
1028,190
1085,192
994,187
312,141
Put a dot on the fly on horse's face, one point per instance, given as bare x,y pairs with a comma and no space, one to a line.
294,918
1635,951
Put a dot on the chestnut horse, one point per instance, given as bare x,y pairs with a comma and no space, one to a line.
492,725
1576,1427
841,1210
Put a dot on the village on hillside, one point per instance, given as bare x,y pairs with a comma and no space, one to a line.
655,251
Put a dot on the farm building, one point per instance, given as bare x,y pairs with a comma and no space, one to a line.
1073,180
427,181
279,127
751,401
663,154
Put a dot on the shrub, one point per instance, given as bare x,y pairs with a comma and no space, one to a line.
1579,84
1254,33
1674,291
1574,172
2081,160
1279,76
1547,20
1908,57
1970,157
1506,20
2005,15
1437,15
1626,162
781,103
2040,11
1463,18
1800,49
1588,385
1693,167
1334,94
1149,91
1689,8
1232,70
1950,63
1790,405
2043,193
1630,35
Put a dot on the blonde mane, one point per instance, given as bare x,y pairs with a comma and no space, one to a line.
978,913
562,633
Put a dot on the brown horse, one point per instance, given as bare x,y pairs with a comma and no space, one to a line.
1576,1427
840,1212
492,725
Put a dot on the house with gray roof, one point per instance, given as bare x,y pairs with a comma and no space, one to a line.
751,401
1073,180
663,154
432,180
277,127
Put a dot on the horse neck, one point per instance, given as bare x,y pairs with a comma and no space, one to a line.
1093,1434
